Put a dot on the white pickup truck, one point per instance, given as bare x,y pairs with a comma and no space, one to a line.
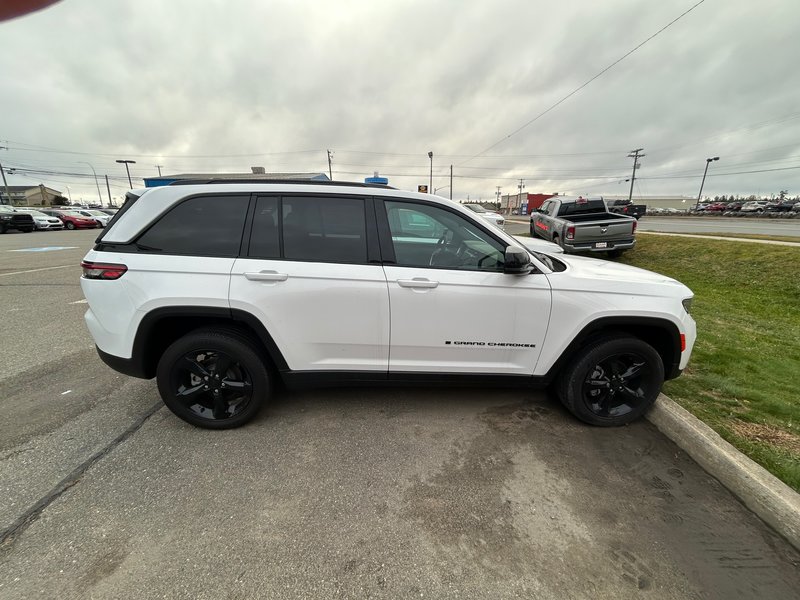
583,225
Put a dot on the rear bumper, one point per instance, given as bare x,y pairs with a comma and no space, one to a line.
126,366
591,246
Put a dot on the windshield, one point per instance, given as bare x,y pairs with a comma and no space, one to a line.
34,213
96,213
72,213
476,208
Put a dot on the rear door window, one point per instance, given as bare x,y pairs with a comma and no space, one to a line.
324,229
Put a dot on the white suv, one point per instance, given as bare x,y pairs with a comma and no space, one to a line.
221,288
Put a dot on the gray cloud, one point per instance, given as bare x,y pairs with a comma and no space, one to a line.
383,83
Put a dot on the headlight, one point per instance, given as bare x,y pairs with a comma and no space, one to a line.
687,304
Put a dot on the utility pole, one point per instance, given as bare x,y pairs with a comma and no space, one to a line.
521,187
497,193
330,168
430,182
635,156
159,169
702,183
5,184
451,182
108,188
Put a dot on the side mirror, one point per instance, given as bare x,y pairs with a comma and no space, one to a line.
517,261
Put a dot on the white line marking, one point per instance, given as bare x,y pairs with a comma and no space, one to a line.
36,270
67,392
84,301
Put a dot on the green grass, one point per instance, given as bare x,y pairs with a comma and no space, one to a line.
745,367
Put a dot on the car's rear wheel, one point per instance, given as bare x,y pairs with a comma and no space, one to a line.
214,379
613,381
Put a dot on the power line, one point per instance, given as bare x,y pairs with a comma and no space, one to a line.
580,87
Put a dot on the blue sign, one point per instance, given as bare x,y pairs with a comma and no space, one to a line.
379,180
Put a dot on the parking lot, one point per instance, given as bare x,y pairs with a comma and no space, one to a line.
350,493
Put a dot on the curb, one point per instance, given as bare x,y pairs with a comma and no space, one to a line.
768,497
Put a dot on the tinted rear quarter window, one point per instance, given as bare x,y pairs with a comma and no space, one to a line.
200,226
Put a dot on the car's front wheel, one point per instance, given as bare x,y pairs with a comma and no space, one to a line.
612,381
70,225
215,379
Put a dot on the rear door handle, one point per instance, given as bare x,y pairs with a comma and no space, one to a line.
267,276
417,282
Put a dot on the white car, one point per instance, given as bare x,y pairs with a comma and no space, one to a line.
99,216
754,206
539,245
41,220
489,215
218,290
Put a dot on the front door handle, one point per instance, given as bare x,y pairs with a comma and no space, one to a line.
267,276
417,282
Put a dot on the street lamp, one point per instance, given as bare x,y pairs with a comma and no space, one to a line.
441,188
430,182
708,162
99,196
127,170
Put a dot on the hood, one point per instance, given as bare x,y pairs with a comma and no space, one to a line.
595,274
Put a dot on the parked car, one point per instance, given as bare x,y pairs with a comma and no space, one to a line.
785,206
700,207
42,221
72,219
100,217
734,206
220,290
583,225
626,207
716,207
11,218
796,207
754,206
109,211
489,215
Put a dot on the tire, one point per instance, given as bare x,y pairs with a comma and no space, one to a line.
533,231
26,230
586,386
191,361
70,225
615,253
3,229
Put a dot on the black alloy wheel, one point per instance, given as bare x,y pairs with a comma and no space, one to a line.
613,387
213,379
613,381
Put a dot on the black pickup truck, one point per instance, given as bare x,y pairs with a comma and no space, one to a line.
11,219
627,208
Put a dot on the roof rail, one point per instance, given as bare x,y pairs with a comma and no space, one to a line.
280,181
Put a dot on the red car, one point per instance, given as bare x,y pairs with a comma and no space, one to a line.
72,219
717,207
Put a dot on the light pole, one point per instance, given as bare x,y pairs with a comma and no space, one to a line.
127,170
99,196
441,188
702,183
430,181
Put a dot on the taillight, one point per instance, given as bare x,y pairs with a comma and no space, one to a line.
683,342
106,271
571,232
635,223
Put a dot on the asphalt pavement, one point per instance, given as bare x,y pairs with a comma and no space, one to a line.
349,493
780,227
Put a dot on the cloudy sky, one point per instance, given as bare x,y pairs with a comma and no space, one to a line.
223,85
